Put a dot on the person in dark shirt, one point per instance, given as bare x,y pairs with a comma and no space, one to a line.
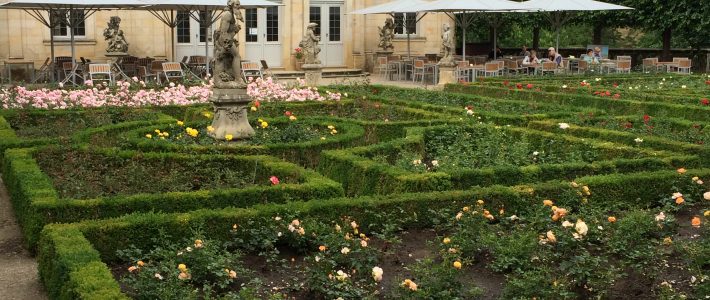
494,55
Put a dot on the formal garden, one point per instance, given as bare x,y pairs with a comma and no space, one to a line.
573,187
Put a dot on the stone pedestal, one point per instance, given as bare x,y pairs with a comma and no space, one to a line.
230,114
447,74
114,58
314,74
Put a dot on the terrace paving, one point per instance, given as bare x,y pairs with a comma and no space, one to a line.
19,279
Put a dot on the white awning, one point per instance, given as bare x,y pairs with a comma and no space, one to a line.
472,6
398,6
570,5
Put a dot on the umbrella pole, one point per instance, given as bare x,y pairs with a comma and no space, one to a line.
73,51
557,50
495,43
51,50
464,24
207,48
172,34
409,48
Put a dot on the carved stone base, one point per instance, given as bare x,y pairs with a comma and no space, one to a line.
314,74
230,114
447,74
384,53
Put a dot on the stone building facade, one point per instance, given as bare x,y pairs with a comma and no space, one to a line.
272,34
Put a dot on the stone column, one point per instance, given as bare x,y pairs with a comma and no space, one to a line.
230,114
447,74
314,74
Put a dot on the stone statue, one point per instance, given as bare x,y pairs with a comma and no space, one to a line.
310,47
228,63
387,35
447,38
114,35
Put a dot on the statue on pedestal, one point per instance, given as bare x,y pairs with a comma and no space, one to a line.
387,35
310,47
447,38
114,35
228,63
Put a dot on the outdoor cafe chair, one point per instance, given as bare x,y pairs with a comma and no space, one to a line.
649,63
100,72
463,71
420,69
623,57
622,66
156,67
491,69
549,67
266,70
683,66
172,70
251,69
43,72
582,66
514,66
144,75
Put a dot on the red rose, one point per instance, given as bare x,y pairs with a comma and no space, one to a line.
530,86
287,113
705,101
646,118
617,96
616,85
274,180
608,93
519,86
628,125
505,83
257,104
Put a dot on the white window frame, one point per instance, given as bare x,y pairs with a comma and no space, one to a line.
68,34
404,29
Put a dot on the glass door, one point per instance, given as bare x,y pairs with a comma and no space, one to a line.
329,18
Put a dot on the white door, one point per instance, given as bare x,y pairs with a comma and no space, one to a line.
263,35
329,18
190,37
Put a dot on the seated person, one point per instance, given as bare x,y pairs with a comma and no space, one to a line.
598,53
554,56
590,58
531,59
498,54
525,52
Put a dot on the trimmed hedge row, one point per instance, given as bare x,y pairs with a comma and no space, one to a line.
304,153
9,138
72,269
361,175
346,111
616,106
626,138
36,202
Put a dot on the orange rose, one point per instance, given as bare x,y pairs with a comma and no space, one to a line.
611,219
547,202
679,200
696,222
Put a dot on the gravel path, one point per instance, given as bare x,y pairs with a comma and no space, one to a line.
18,269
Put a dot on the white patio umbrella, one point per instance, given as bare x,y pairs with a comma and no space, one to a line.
398,6
467,6
36,9
557,9
164,10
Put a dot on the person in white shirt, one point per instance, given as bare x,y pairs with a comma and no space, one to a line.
531,59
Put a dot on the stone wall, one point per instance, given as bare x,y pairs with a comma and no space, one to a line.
23,38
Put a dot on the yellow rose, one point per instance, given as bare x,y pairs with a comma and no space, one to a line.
457,265
149,136
228,137
447,241
180,123
182,267
210,129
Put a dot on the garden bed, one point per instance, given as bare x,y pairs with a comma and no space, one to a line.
67,185
481,232
459,157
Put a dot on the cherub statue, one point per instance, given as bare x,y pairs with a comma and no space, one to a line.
447,38
114,35
228,68
387,35
310,47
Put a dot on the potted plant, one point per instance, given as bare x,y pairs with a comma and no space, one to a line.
298,62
